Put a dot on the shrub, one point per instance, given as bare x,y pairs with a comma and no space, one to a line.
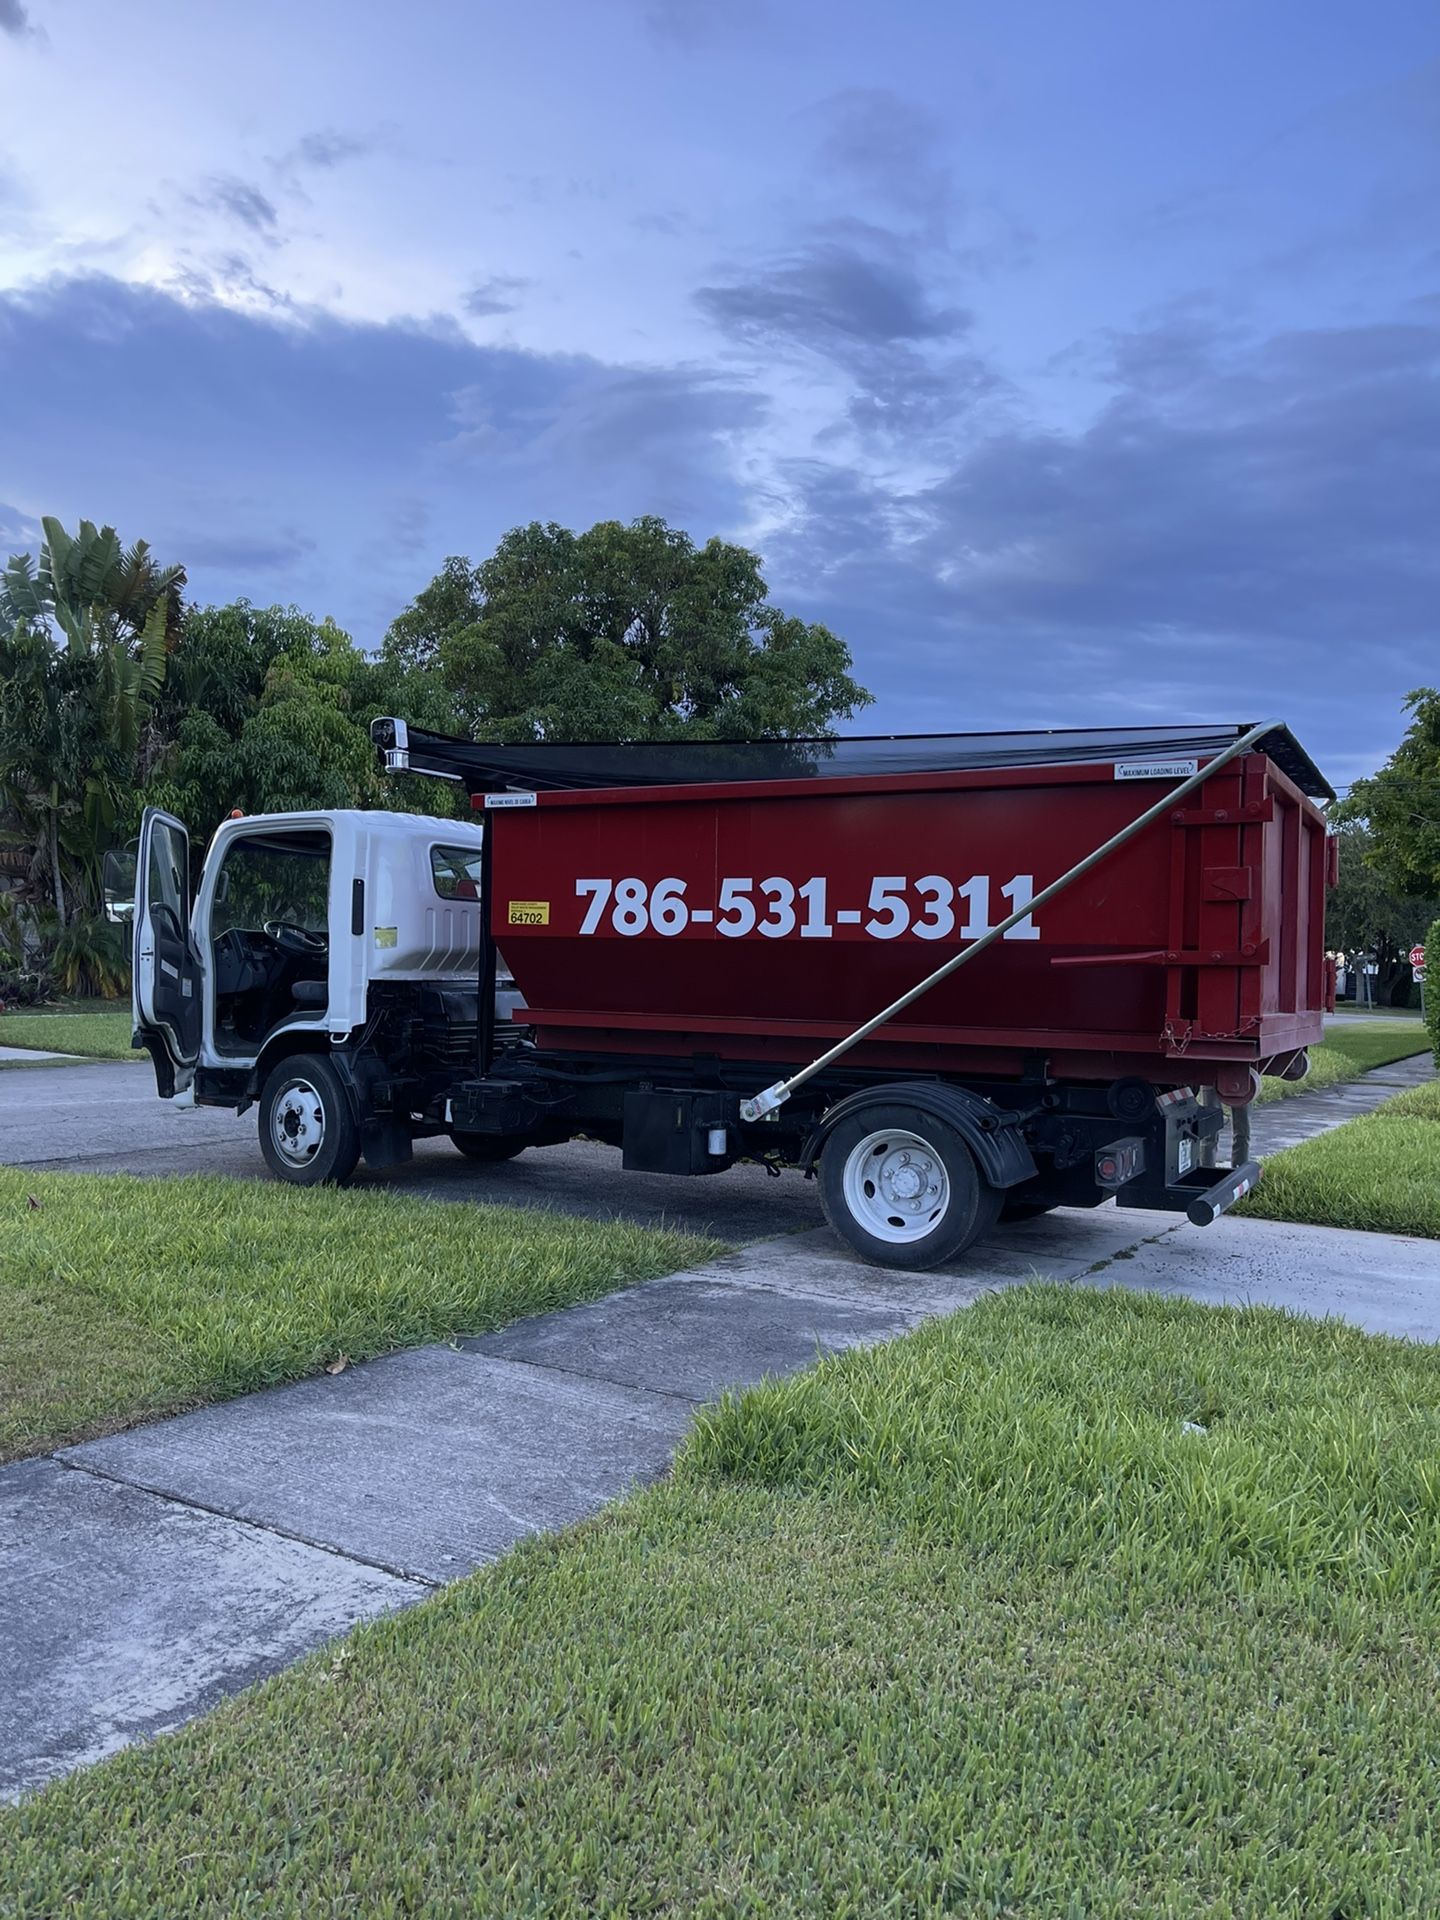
90,957
22,986
1431,997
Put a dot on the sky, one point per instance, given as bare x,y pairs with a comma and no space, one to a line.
1077,365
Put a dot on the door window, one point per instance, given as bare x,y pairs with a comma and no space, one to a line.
268,878
169,888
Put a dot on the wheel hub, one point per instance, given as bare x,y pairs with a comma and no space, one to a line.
905,1182
896,1186
297,1125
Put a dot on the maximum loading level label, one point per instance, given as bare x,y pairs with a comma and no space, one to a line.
1155,769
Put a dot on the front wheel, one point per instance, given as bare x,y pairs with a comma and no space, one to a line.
308,1131
903,1188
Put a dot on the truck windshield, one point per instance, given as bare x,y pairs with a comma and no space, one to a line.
273,878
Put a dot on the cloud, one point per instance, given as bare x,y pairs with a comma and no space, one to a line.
691,24
245,553
230,277
19,532
889,148
330,147
853,297
15,20
257,448
240,199
666,221
1246,524
1243,526
409,524
494,294
829,294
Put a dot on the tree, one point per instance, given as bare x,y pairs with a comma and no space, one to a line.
1401,803
269,711
623,633
1365,914
85,638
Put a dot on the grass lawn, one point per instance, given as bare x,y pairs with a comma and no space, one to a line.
966,1625
1347,1052
122,1299
1380,1173
1378,1012
100,1035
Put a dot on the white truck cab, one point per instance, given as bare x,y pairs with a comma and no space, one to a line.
312,936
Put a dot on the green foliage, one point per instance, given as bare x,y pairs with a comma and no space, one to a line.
85,638
195,1289
24,983
970,1625
1365,912
1431,944
91,956
1402,802
1379,1174
623,633
115,696
268,710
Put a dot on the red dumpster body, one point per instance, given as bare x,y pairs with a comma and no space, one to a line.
763,920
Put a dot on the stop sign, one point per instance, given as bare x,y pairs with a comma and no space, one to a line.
1417,956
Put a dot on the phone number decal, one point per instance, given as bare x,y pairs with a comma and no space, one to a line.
930,908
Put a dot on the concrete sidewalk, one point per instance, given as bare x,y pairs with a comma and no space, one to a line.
1285,1123
144,1577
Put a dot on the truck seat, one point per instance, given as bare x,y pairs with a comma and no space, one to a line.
309,993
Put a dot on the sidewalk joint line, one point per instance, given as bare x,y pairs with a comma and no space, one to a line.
240,1520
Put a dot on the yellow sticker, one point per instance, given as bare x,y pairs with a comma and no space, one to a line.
387,936
529,913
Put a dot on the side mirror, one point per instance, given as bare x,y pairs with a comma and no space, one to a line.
118,883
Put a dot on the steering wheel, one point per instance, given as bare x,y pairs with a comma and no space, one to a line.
299,942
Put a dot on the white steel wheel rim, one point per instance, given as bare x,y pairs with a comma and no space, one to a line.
896,1186
297,1124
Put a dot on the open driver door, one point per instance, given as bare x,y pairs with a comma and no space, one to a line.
165,987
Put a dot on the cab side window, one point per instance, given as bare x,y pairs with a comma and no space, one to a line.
456,872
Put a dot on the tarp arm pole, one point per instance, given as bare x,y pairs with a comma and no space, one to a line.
772,1097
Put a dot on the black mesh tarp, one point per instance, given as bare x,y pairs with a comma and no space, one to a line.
553,766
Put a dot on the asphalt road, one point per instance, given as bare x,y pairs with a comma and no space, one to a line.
106,1118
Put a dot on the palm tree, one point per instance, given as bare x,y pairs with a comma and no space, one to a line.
84,641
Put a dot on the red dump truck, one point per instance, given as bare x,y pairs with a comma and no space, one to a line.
956,978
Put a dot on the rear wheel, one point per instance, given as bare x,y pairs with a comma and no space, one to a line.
491,1146
903,1188
308,1132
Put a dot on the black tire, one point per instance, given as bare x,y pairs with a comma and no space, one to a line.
317,1090
491,1146
971,1208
